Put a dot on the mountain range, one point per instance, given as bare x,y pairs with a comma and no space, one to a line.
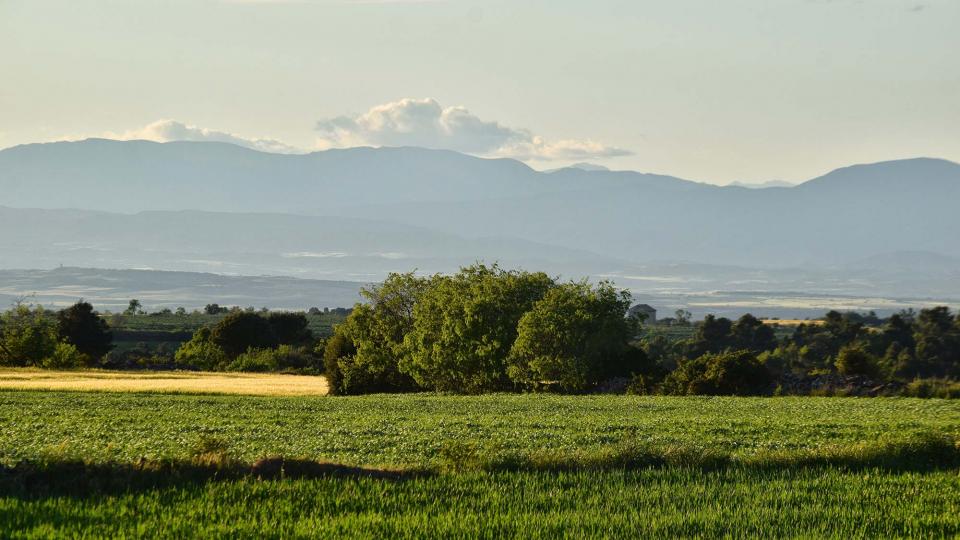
361,212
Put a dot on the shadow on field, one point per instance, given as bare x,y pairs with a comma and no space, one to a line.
74,478
925,452
921,452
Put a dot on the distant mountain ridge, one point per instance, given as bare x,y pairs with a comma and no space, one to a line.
846,215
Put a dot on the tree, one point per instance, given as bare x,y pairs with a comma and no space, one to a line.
682,316
712,334
854,360
290,328
370,342
82,327
464,326
27,336
134,308
750,333
576,335
240,331
214,309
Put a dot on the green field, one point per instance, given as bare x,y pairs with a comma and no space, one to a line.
158,333
570,480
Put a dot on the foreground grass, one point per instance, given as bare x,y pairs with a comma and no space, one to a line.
264,384
121,465
621,504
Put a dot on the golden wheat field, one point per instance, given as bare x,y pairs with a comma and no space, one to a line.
190,382
793,322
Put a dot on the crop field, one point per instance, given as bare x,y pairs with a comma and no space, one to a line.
132,464
195,382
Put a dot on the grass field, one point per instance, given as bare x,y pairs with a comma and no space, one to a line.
264,384
132,464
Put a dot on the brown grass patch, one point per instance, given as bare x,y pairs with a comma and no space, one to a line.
187,382
794,322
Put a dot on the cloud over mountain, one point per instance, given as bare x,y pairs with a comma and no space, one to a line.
425,122
171,130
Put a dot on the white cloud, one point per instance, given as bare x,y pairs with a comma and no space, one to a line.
424,122
171,130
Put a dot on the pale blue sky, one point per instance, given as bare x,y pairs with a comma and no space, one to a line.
710,90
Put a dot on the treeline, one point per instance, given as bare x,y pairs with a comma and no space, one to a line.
485,329
240,340
917,353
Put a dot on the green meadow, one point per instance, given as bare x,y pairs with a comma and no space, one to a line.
88,464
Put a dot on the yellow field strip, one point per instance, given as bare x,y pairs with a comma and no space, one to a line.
264,384
794,322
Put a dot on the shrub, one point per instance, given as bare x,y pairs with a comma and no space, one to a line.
65,356
335,348
933,388
255,360
282,358
201,353
736,373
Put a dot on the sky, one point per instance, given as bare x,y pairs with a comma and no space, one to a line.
709,90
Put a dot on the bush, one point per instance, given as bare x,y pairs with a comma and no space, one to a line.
65,356
736,373
283,358
335,348
201,353
933,388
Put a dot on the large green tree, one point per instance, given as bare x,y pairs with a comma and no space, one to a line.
28,337
574,336
464,326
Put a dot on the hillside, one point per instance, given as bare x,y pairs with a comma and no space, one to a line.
846,215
